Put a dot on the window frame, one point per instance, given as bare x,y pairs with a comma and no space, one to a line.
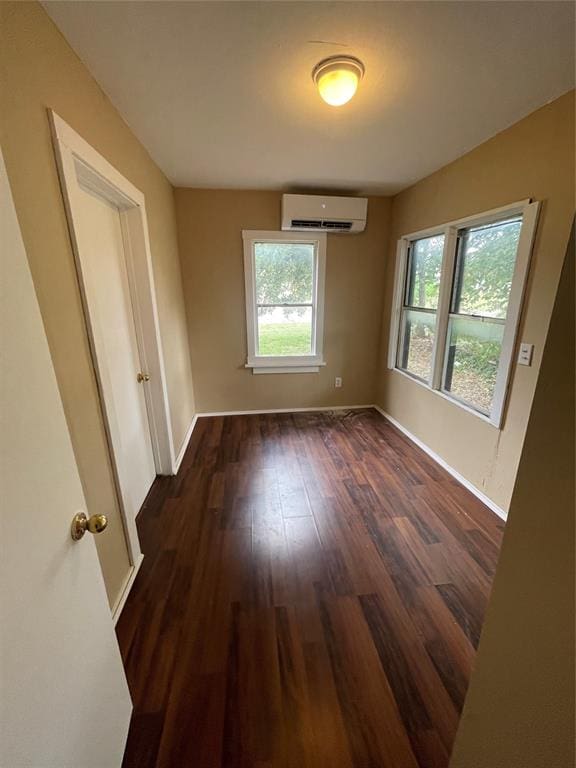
285,363
528,210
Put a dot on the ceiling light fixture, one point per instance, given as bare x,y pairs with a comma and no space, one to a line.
337,78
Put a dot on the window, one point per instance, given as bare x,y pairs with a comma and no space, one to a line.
457,303
485,261
418,323
284,274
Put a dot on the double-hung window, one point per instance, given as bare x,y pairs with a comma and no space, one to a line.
420,306
284,278
457,304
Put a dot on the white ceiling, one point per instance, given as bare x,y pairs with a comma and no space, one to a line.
221,95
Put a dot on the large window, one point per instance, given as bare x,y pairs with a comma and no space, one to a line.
457,303
284,275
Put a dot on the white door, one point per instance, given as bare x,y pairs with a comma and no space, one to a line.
64,698
99,239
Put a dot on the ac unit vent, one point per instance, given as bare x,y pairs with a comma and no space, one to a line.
309,223
341,226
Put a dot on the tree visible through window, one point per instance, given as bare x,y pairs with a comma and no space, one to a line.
418,324
483,278
284,277
457,304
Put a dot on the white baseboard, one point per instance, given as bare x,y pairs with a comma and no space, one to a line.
439,460
311,409
178,459
117,610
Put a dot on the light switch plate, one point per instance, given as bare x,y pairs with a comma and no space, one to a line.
525,354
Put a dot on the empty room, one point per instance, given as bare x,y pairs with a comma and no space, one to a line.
287,384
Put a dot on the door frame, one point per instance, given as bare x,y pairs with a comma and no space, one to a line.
80,166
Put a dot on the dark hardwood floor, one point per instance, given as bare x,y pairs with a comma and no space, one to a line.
312,594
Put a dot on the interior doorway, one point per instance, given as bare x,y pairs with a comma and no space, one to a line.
108,228
124,377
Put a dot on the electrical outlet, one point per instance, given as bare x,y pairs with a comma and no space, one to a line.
337,382
525,354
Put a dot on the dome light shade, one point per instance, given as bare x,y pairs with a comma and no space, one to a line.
337,78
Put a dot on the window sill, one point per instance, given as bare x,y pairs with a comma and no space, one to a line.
294,366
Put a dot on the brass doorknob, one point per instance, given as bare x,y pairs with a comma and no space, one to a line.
142,377
81,524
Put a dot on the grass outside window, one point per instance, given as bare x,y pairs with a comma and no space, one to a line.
276,339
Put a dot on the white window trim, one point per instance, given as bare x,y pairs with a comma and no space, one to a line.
529,212
293,363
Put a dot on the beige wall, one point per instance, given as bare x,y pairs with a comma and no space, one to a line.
534,158
38,70
210,224
519,712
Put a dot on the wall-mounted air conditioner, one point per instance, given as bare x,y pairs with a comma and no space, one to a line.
320,213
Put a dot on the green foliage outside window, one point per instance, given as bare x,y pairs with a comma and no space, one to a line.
483,279
486,270
284,273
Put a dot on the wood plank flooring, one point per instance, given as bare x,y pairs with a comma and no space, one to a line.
312,595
